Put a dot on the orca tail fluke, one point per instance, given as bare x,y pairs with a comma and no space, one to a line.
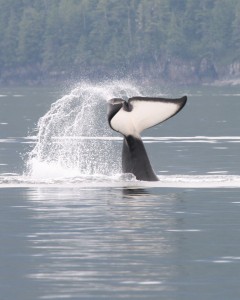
139,113
130,118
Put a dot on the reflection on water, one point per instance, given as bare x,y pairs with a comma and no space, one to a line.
114,243
134,192
87,241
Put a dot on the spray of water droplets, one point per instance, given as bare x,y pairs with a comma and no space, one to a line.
61,150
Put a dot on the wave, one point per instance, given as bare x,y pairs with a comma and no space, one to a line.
121,180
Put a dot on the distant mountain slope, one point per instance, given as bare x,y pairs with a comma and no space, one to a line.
186,40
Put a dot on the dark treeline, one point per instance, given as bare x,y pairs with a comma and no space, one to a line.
100,36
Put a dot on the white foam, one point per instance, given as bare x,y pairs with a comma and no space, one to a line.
73,135
100,138
200,181
218,172
52,171
221,261
220,148
184,139
194,139
8,140
58,177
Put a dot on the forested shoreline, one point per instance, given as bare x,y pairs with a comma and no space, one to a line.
179,40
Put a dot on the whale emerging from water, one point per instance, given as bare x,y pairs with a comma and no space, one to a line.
130,118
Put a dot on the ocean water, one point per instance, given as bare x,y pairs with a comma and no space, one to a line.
73,227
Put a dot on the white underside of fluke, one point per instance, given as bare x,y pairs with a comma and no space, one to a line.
144,114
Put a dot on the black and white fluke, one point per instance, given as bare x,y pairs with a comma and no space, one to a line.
130,118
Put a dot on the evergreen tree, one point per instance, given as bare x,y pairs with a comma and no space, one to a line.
60,35
31,30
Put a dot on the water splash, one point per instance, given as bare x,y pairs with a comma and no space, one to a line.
60,152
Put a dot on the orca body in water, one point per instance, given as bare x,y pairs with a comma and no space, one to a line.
130,118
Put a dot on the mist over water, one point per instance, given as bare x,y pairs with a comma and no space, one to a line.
62,150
